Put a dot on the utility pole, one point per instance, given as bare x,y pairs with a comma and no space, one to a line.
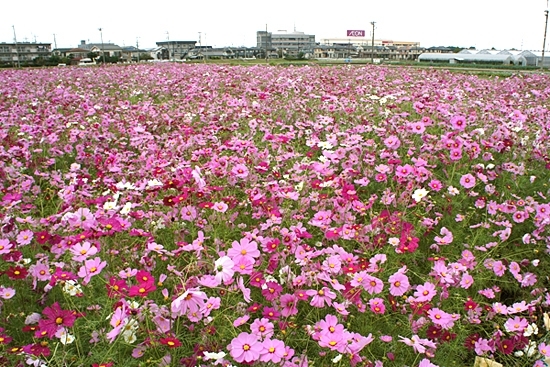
54,41
102,44
168,39
16,47
544,41
137,46
266,43
372,46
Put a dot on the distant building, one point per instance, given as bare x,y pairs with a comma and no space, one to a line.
76,53
110,49
365,41
290,44
177,50
24,51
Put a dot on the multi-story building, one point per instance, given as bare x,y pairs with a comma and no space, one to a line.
286,43
24,51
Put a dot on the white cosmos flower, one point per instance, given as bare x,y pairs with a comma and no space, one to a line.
213,356
419,194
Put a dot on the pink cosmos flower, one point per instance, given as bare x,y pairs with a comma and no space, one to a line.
240,171
482,346
321,296
271,290
273,350
271,313
25,237
289,305
90,268
333,341
516,325
419,344
426,363
329,325
243,265
520,216
544,349
399,284
82,218
243,248
425,292
188,213
262,328
466,281
245,348
372,284
6,293
441,318
191,301
392,142
239,321
468,181
5,246
81,251
458,122
417,127
213,303
377,305
220,207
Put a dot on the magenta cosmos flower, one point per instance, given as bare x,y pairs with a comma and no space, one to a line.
55,318
245,348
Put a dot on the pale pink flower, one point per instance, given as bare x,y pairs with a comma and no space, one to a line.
425,292
240,171
243,248
191,301
245,348
223,268
321,296
468,181
5,246
6,292
81,251
399,284
262,328
90,268
220,207
25,237
273,351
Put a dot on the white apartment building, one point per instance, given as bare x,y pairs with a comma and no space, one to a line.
24,51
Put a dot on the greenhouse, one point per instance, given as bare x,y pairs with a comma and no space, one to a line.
478,58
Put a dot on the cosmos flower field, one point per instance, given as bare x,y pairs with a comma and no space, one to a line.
201,215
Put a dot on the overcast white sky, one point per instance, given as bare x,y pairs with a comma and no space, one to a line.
502,24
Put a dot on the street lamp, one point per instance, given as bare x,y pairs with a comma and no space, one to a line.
102,45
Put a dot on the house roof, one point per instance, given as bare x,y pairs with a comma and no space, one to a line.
102,46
